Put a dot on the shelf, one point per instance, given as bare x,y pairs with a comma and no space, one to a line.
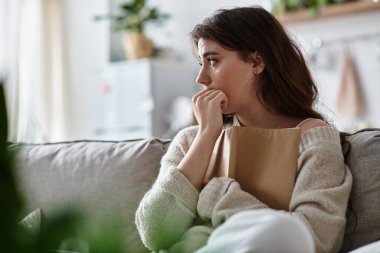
335,10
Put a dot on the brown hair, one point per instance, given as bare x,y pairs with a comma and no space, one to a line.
286,85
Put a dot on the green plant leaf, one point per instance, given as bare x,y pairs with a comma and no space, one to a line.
10,200
138,6
3,117
133,16
292,5
68,229
126,8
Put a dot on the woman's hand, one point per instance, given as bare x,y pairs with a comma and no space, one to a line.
208,106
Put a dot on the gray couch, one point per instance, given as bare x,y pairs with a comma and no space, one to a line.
107,179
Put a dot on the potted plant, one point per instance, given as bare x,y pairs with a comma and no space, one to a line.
131,18
280,6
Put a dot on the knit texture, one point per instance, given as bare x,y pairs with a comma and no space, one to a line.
174,217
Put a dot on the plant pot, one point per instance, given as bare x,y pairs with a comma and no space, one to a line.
136,46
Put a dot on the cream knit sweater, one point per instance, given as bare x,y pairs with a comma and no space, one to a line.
174,217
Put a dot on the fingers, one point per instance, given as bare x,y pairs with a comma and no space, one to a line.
224,102
219,99
200,94
208,108
210,96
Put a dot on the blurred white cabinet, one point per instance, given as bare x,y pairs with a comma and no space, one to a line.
131,99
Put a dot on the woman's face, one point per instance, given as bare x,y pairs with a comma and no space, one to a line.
224,70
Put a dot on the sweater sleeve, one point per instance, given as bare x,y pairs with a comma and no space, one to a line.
319,198
168,209
322,189
222,197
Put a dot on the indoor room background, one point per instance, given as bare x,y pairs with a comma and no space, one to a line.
67,76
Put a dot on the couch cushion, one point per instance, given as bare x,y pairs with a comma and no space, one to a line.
104,179
101,176
363,220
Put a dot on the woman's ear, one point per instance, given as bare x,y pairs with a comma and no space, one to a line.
258,63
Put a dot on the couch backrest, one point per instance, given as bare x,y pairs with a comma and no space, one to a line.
102,176
363,217
103,179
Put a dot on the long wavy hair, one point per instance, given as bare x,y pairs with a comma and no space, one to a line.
286,85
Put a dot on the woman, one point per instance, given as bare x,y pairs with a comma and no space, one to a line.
252,70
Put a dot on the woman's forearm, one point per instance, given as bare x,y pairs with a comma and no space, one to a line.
194,165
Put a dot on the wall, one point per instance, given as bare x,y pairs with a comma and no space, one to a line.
88,43
90,46
359,35
336,34
87,48
184,15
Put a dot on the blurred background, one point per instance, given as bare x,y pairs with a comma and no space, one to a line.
81,69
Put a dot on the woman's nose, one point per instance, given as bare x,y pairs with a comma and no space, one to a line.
203,78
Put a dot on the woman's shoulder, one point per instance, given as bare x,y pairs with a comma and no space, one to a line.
311,123
318,132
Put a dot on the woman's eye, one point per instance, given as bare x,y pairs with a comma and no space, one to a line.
212,61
